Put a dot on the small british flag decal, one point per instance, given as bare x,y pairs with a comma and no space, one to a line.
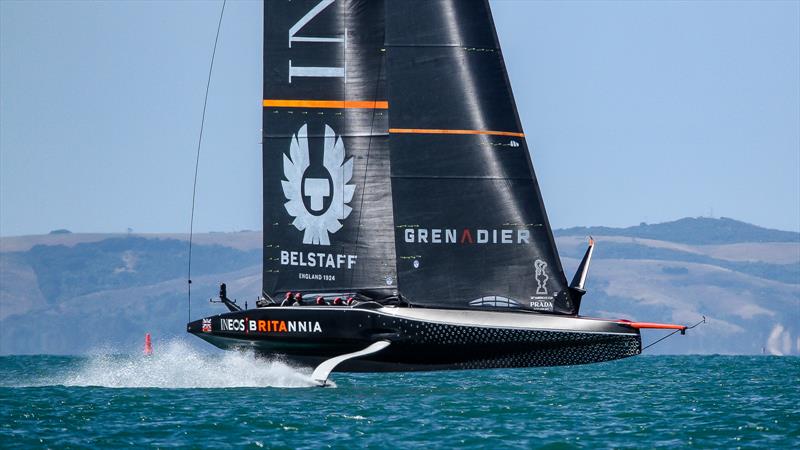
207,325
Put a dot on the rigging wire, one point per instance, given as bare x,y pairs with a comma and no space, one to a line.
670,335
366,164
197,158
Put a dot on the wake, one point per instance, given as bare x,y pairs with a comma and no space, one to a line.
175,365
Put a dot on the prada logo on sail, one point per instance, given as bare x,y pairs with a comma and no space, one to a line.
466,236
317,195
543,305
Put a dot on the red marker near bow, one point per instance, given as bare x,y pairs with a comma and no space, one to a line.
148,345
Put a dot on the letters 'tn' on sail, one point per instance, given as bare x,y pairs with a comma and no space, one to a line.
327,195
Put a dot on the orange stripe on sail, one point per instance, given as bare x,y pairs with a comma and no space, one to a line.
333,104
437,131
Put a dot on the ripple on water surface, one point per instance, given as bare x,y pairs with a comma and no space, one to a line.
184,397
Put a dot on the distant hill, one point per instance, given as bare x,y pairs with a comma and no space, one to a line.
692,230
71,292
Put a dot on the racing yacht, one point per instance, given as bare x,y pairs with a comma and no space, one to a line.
404,228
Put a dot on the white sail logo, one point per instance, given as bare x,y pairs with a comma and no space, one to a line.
541,277
317,203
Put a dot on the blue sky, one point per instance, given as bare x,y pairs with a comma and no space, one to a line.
635,111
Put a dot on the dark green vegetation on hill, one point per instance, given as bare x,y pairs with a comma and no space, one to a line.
65,272
691,230
786,273
80,292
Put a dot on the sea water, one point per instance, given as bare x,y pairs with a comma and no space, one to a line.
188,398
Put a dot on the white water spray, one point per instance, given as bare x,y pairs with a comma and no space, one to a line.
176,365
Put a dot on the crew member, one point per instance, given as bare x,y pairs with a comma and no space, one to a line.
298,299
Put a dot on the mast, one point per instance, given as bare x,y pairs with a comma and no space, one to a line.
327,199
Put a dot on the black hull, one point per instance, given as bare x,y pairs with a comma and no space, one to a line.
421,339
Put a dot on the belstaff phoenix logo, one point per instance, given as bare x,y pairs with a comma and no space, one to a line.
317,196
541,277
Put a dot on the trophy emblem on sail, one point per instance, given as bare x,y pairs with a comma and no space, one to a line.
317,199
541,277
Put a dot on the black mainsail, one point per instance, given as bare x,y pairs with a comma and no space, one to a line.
327,197
410,104
471,229
396,172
